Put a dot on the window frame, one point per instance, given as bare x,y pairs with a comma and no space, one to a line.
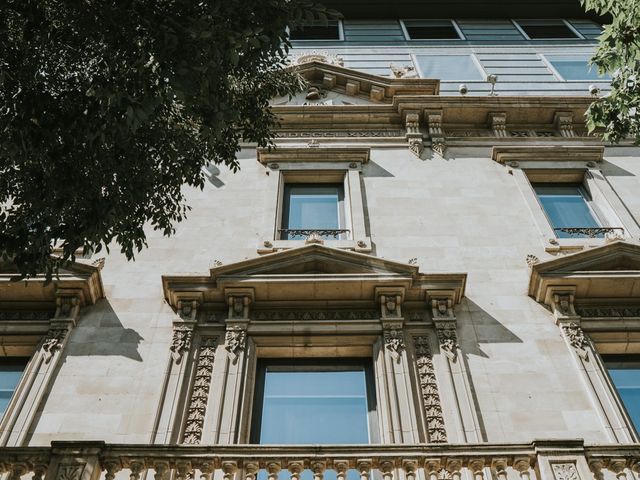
578,35
474,59
339,39
605,359
555,72
454,24
337,362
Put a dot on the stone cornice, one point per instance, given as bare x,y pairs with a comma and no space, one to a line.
547,153
298,155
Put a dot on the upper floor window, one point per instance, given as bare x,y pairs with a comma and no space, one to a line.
568,207
313,402
546,29
624,371
317,30
313,207
574,67
431,30
11,369
449,67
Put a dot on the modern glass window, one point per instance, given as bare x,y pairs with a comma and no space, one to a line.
546,29
313,208
575,67
449,67
11,369
567,207
313,402
329,30
624,371
431,30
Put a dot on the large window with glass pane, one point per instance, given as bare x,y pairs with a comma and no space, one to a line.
308,401
569,209
624,371
11,369
313,207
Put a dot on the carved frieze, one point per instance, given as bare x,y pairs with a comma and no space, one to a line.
395,133
235,340
429,390
577,339
608,311
316,315
448,339
565,471
25,315
200,392
180,341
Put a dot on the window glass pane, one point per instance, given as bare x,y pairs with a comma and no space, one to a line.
431,29
319,405
312,207
538,29
566,207
625,374
572,67
316,31
11,369
448,67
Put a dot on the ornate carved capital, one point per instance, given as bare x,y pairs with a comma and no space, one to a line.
180,341
429,389
235,340
394,342
498,123
414,135
53,342
577,339
448,339
434,126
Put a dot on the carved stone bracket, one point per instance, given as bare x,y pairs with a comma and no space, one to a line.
239,300
390,299
563,123
200,392
414,135
394,341
434,126
448,339
577,339
562,305
180,341
53,342
441,302
498,123
235,340
429,390
67,305
187,309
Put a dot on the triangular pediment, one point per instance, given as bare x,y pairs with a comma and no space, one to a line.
314,260
334,85
608,271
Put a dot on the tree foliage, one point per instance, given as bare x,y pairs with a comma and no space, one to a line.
109,107
618,113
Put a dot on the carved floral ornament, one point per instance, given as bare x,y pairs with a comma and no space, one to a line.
448,339
394,342
429,390
200,392
181,341
565,471
577,339
235,341
53,342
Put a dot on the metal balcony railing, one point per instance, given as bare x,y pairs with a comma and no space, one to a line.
305,233
588,232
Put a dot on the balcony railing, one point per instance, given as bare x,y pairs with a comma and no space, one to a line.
540,460
587,232
305,233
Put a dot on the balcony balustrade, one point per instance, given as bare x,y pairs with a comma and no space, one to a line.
540,460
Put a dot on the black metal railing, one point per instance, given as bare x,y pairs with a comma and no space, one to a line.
304,233
587,232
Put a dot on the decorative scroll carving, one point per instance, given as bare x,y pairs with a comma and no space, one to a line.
391,306
235,340
577,339
317,315
414,136
532,260
318,56
565,471
429,388
200,392
608,312
69,472
394,342
448,339
498,123
563,122
563,305
53,342
434,124
181,341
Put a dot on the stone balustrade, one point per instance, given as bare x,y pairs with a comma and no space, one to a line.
540,460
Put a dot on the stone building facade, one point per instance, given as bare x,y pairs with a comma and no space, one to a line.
461,238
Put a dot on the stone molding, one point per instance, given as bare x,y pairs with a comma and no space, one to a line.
547,153
296,155
436,431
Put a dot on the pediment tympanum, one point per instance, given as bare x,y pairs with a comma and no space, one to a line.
81,281
314,276
607,273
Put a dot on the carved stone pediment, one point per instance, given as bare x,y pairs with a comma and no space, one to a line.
314,277
610,271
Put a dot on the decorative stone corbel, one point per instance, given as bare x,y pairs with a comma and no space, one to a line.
68,302
235,340
498,123
329,81
181,340
562,305
377,93
577,339
352,87
563,123
390,299
239,300
393,339
434,126
442,302
448,338
414,135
